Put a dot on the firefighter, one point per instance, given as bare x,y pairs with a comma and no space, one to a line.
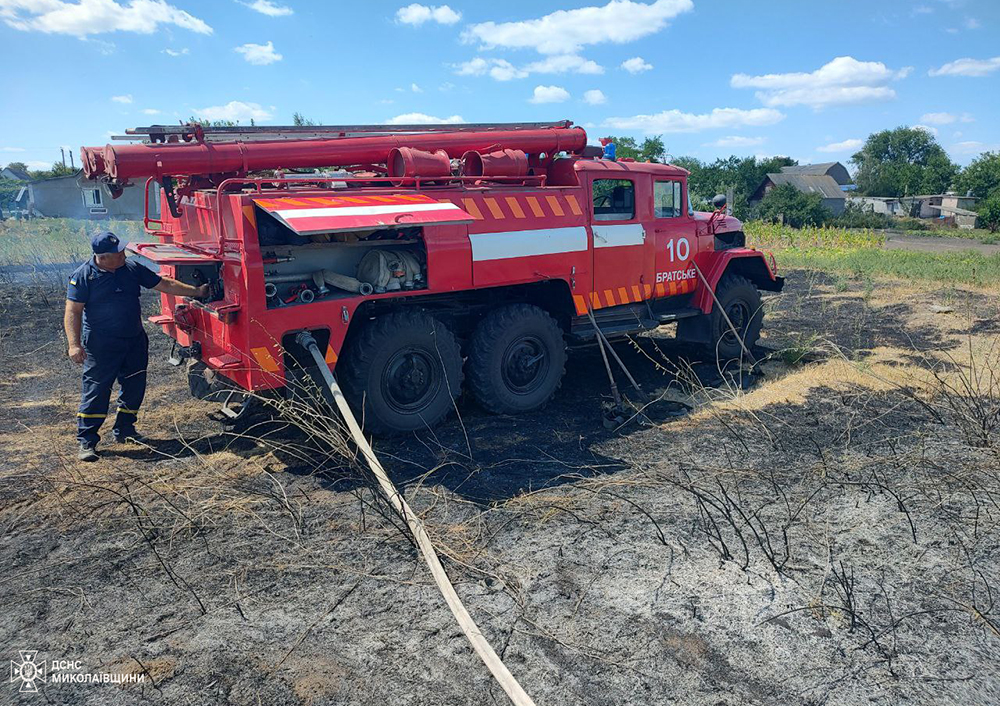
104,331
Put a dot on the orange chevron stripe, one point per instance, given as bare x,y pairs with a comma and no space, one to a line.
660,289
580,303
574,206
554,205
331,355
636,294
623,295
494,208
647,290
515,207
610,296
535,207
672,288
265,359
472,208
595,301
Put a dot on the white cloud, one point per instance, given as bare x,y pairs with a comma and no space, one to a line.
971,147
563,63
446,86
259,54
87,17
736,141
234,110
266,7
972,23
503,70
927,128
549,94
845,146
150,111
945,118
842,81
568,31
594,97
423,119
176,52
415,88
473,67
967,67
676,121
122,99
12,149
636,65
417,14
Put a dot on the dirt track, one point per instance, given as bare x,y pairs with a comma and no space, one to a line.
827,536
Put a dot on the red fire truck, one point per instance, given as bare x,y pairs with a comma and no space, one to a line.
434,257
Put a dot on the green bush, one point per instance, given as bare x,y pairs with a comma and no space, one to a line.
787,204
989,212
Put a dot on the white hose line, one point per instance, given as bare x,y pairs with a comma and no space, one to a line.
486,653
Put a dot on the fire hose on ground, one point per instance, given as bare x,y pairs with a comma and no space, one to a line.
475,636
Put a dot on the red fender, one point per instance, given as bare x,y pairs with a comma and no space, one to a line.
751,263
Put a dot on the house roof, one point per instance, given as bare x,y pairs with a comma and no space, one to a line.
18,174
832,169
825,186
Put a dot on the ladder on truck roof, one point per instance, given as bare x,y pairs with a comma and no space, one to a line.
159,133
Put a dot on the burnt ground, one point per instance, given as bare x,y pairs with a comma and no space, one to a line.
823,531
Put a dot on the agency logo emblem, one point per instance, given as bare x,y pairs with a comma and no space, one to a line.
29,672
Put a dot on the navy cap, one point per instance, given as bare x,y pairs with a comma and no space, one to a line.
107,242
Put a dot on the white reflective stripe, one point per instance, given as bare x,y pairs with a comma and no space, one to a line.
297,213
527,243
615,236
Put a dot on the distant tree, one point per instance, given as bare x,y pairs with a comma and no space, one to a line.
741,174
213,123
989,212
21,166
903,162
982,177
299,120
58,169
652,148
793,207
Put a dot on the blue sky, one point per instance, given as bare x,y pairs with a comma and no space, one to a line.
715,77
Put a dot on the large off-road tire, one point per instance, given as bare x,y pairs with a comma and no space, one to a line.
517,357
401,373
741,301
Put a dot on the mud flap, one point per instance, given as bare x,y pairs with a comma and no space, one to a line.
695,329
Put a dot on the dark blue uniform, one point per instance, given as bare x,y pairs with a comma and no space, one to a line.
116,344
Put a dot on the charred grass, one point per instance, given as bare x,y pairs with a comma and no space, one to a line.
821,531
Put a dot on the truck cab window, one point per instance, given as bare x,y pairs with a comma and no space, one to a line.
614,200
667,201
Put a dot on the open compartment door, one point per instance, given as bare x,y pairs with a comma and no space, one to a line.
310,215
172,254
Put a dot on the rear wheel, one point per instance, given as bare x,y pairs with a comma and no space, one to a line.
741,302
517,357
402,373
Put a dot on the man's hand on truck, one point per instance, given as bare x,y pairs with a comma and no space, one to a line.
168,285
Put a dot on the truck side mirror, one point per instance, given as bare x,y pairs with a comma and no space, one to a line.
719,201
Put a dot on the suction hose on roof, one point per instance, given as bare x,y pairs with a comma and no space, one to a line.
479,643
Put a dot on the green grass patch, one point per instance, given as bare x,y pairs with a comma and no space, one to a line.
41,241
860,254
961,268
771,236
980,234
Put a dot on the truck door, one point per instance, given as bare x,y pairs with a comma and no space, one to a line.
621,264
674,239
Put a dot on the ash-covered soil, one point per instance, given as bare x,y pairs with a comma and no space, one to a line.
824,531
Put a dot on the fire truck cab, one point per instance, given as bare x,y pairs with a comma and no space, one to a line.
438,268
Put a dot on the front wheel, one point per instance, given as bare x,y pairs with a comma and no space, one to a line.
517,357
740,300
402,372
